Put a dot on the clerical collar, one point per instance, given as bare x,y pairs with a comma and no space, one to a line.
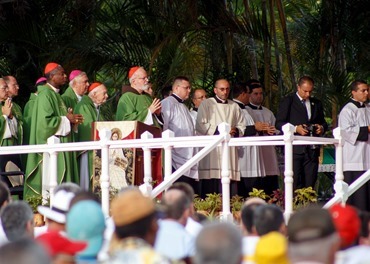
79,97
241,105
195,109
54,89
357,103
219,100
178,99
254,107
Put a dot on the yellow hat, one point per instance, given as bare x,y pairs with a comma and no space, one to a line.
130,207
272,248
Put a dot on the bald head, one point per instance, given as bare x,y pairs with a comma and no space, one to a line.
177,204
222,89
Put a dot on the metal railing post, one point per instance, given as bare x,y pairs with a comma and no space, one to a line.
104,135
146,188
226,215
288,131
168,134
52,171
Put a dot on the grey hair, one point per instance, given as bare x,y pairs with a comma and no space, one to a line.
218,243
71,82
14,218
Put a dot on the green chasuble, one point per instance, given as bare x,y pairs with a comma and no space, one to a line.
27,114
46,117
133,106
70,98
87,108
17,113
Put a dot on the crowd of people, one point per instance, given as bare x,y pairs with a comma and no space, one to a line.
76,228
140,230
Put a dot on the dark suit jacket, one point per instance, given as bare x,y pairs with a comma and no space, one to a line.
291,110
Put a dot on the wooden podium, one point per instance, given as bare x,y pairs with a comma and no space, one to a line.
126,166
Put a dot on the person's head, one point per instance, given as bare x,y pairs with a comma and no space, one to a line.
134,215
359,90
312,236
188,190
347,223
85,222
13,86
3,90
40,81
55,74
305,87
70,187
56,215
222,89
166,91
199,95
256,94
84,196
17,220
177,205
79,82
272,248
61,249
268,218
23,251
181,87
365,228
4,194
218,243
241,92
98,93
138,78
247,216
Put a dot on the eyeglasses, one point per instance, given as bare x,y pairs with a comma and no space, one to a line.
4,88
143,78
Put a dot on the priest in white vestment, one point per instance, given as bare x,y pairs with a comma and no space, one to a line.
354,121
212,112
177,118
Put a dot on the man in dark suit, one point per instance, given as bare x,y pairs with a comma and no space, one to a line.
307,115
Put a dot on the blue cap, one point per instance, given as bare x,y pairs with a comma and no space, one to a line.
85,221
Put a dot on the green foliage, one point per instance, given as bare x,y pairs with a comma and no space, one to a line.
236,203
34,201
259,194
304,197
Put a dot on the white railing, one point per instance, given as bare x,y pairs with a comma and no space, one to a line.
168,142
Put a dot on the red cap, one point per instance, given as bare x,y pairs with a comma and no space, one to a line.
93,86
347,222
51,66
132,71
55,244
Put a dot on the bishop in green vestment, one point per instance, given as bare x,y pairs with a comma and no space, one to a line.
135,104
78,84
50,117
89,108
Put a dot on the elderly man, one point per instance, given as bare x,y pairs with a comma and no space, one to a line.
134,104
212,112
50,117
199,95
10,125
88,107
176,117
78,84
